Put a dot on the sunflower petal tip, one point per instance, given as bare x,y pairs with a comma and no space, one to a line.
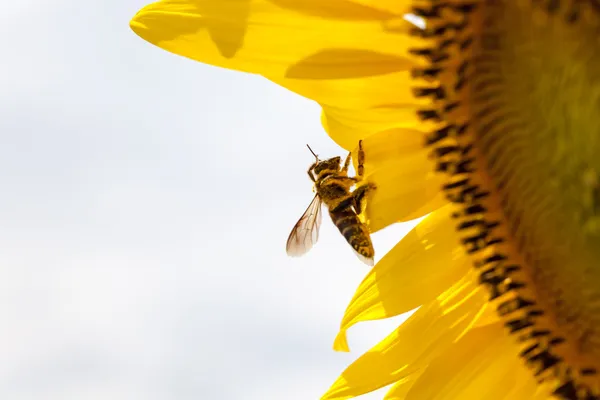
341,342
337,391
135,25
138,22
329,396
325,397
146,24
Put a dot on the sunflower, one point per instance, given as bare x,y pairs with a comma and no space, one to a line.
486,119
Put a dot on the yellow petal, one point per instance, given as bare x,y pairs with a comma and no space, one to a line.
309,39
526,388
426,334
358,93
488,316
347,126
401,189
339,63
388,146
396,6
438,201
424,264
401,388
481,365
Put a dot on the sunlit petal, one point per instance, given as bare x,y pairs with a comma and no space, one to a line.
486,369
364,92
427,333
347,126
419,268
399,390
310,39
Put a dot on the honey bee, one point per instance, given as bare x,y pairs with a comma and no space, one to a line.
344,197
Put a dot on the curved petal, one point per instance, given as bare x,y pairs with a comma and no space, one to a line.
396,6
309,39
347,126
488,369
355,93
427,333
387,146
424,264
401,388
526,388
488,316
438,201
401,189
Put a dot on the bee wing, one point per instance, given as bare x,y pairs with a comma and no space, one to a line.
306,231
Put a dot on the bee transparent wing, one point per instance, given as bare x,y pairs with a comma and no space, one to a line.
306,231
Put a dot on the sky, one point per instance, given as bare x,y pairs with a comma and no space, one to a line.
146,201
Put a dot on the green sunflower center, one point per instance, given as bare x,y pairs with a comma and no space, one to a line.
535,97
516,93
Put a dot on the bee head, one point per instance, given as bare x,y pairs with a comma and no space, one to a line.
321,168
331,164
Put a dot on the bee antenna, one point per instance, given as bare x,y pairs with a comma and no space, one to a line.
313,153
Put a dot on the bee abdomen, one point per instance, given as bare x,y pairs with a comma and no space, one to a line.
354,231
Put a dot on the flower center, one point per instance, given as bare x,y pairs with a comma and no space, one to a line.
515,122
535,98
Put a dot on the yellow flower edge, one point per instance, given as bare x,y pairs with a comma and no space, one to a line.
493,107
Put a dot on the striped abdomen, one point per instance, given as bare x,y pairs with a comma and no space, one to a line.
355,232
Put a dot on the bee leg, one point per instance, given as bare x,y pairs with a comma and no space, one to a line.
360,196
361,160
347,163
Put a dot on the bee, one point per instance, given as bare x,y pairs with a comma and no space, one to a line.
345,198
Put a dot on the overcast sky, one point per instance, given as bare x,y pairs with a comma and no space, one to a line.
145,201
